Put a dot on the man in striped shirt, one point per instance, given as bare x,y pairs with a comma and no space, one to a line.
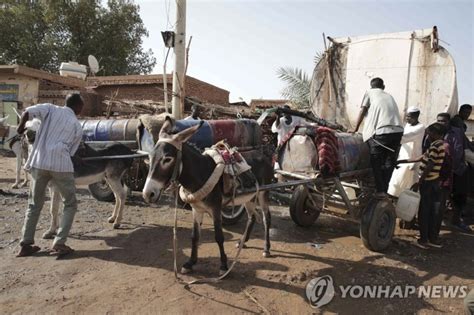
56,141
429,215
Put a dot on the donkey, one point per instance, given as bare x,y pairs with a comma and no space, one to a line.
90,172
20,146
174,159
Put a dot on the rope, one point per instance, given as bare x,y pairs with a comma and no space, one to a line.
383,146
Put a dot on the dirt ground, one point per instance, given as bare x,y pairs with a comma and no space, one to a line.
131,269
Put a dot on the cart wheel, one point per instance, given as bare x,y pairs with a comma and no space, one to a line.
230,217
377,224
302,212
101,191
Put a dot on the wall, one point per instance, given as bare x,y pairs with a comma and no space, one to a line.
133,92
194,88
206,92
27,88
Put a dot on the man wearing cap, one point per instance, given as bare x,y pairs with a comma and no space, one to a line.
383,132
411,147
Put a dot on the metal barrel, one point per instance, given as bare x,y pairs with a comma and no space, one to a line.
237,133
203,138
353,152
110,129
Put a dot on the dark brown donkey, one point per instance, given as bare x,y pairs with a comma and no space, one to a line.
174,159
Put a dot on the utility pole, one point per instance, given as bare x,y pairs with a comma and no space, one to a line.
177,104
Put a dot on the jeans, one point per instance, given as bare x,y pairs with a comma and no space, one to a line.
383,160
66,186
429,214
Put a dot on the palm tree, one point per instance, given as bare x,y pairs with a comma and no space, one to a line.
298,84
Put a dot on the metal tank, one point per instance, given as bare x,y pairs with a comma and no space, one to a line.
237,133
110,129
417,71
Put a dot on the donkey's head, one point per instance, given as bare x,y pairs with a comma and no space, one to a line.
165,159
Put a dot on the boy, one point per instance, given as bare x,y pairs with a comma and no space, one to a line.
429,214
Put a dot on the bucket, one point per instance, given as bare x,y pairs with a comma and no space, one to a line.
407,205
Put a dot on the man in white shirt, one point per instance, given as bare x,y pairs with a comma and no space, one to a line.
194,113
383,131
285,124
56,141
411,147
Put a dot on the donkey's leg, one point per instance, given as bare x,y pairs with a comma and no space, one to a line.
17,150
120,193
250,207
195,234
24,158
219,236
25,181
54,209
263,201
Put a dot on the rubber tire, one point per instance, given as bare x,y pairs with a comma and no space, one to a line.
298,210
228,219
377,214
101,191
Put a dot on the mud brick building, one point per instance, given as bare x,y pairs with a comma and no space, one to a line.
151,87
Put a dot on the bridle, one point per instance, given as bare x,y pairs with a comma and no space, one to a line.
179,158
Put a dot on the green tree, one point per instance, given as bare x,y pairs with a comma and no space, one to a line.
298,84
297,88
42,34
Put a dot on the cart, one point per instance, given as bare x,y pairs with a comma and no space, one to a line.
352,191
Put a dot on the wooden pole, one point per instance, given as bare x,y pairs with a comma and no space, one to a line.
179,58
165,83
183,90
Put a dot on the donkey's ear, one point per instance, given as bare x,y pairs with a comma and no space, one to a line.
186,134
167,127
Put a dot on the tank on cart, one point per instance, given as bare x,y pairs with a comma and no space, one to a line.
338,163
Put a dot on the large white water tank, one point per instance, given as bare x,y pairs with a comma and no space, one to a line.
73,70
415,74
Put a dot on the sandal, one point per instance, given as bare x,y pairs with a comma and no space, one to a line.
28,250
61,250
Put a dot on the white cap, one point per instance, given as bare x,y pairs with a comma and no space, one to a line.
413,109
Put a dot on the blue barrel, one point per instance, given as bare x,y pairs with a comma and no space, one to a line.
203,138
110,129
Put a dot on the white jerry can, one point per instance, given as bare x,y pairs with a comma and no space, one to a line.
407,205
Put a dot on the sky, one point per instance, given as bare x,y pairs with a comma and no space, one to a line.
239,45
